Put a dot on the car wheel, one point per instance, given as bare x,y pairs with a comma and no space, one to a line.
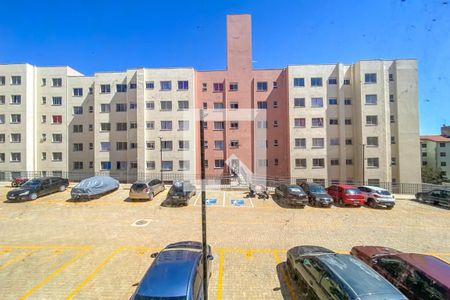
390,207
419,198
33,196
371,203
341,202
62,188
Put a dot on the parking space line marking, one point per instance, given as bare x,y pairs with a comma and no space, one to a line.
223,202
55,272
17,259
196,199
285,276
219,284
90,276
223,197
251,202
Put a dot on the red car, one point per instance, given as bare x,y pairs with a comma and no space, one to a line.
18,181
346,194
417,276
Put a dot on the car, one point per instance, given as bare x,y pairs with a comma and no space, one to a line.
18,181
291,194
180,193
34,188
146,190
323,274
346,195
93,187
176,273
377,197
436,197
317,195
418,276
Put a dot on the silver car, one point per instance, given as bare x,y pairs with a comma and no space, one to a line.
146,190
376,196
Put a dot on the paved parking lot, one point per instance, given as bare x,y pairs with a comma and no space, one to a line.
52,248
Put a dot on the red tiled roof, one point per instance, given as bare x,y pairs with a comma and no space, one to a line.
435,138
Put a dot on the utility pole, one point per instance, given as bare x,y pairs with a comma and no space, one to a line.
204,242
363,164
160,159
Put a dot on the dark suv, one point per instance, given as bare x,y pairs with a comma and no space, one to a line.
38,187
317,195
180,193
291,194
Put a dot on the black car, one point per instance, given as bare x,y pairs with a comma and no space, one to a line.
317,195
291,194
324,274
38,187
180,193
436,197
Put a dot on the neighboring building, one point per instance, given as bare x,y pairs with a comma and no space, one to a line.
435,151
301,122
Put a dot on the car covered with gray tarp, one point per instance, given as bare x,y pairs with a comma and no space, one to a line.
94,186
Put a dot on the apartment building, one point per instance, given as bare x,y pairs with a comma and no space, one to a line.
435,151
327,123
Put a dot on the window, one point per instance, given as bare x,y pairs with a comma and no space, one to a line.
56,82
205,105
105,126
133,105
348,121
183,125
16,99
316,81
392,119
442,145
165,85
234,125
420,284
43,137
317,122
349,162
44,100
234,144
261,86
442,154
332,81
183,85
233,86
391,98
167,165
56,156
299,102
392,139
91,91
262,163
121,126
205,144
300,163
275,123
218,105
299,82
347,101
424,154
2,119
334,122
218,145
133,125
317,142
2,80
262,104
121,88
150,125
16,118
316,102
371,99
183,105
219,125
318,163
393,161
348,141
77,110
91,109
121,107
77,147
77,165
149,85
234,105
219,163
205,124
217,87
2,99
105,146
443,164
275,143
150,164
275,104
166,105
133,85
105,108
105,88
300,143
373,162
391,77
370,78
334,162
121,165
184,165
372,141
16,138
44,155
372,120
77,128
150,145
346,81
150,105
56,138
120,146
204,87
424,145
2,157
332,101
299,122
183,145
166,145
105,165
77,92
56,101
166,125
16,157
2,138
16,80
334,141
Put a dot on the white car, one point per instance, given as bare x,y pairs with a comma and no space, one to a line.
376,196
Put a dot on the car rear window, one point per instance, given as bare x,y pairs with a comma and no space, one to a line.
138,186
352,191
295,190
386,193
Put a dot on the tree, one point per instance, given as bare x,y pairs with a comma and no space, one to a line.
431,175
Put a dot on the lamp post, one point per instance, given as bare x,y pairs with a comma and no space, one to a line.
202,174
160,158
363,164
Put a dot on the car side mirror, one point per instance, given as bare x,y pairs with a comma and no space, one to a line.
154,255
209,257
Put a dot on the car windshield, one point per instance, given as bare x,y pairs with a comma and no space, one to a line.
33,182
352,191
295,190
383,192
317,189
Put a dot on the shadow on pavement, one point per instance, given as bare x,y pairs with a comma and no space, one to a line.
171,203
287,287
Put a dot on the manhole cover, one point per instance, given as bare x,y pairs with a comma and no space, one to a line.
141,222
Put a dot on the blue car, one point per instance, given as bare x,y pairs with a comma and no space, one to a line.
175,274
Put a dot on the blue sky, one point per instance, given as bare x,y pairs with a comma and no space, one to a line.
95,36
